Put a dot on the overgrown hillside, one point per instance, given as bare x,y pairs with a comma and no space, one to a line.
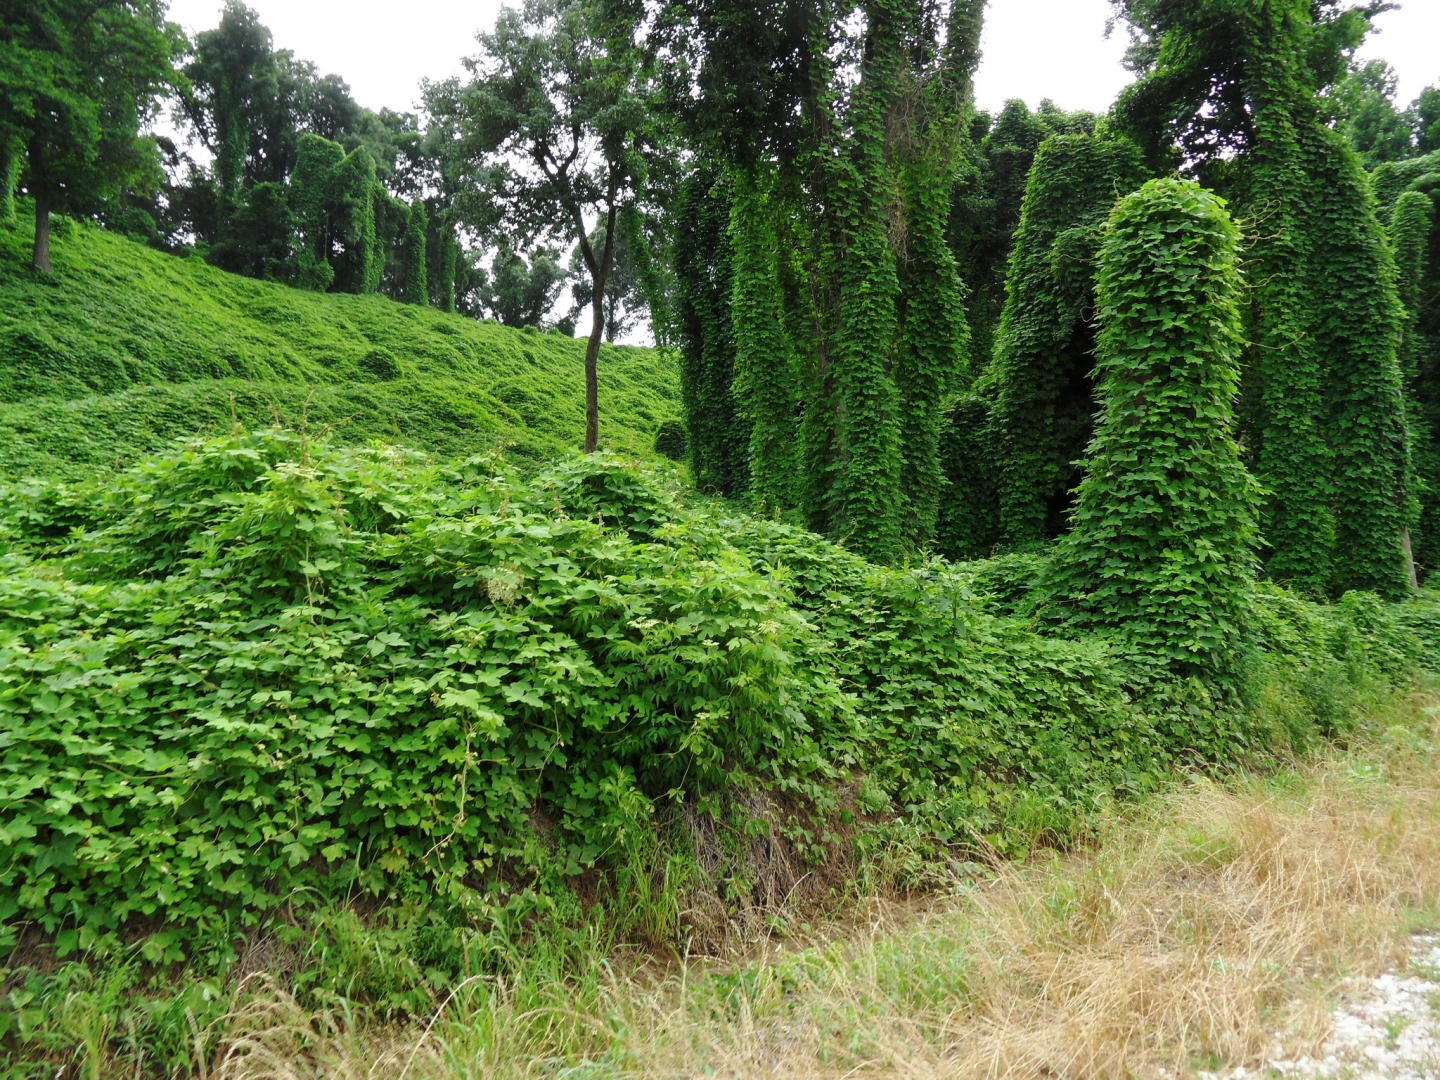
124,348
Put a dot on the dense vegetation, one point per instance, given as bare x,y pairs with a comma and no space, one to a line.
123,349
1015,464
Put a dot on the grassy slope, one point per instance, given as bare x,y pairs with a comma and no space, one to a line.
124,349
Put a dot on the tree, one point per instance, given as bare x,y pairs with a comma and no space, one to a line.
1362,108
78,79
765,377
624,294
718,432
234,81
517,293
414,288
1231,92
1040,379
1424,113
1162,550
552,126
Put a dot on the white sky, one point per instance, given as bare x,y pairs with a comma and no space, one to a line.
1032,49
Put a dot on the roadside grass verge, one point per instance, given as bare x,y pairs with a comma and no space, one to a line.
1195,926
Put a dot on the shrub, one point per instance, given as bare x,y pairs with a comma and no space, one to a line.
266,666
670,440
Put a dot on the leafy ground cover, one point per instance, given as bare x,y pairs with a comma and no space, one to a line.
368,726
123,349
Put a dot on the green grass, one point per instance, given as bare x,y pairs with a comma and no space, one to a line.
123,349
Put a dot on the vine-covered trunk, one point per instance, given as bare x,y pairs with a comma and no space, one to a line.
1041,373
1161,557
1292,458
1330,431
1358,329
934,340
764,361
869,496
718,437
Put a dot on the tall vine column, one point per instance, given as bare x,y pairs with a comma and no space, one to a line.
868,481
1161,555
765,380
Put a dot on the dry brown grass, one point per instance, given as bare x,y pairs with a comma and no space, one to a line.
1194,929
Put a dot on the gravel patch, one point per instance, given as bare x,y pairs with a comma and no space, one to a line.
1384,1029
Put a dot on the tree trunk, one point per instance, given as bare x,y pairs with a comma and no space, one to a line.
592,379
1409,553
40,258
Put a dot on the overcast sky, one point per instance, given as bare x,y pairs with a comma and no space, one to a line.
1033,49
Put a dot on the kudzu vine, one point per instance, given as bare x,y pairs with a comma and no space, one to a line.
1040,377
1161,555
765,371
718,435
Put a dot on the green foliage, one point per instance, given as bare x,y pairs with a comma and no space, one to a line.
413,287
1162,553
972,725
934,336
765,367
126,348
968,525
671,440
1040,378
77,81
265,666
704,268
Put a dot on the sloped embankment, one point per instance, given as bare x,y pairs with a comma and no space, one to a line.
124,349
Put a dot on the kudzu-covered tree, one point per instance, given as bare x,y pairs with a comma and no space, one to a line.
1161,554
718,432
867,499
312,191
986,202
333,199
934,355
1040,378
765,372
1232,90
1355,323
1413,238
413,286
359,265
849,273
